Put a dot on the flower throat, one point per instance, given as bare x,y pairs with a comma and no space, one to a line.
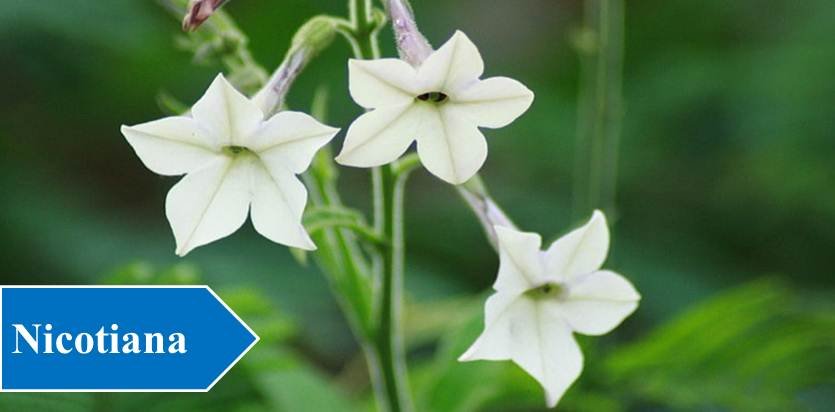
434,97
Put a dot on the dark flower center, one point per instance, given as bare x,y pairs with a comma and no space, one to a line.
546,291
434,97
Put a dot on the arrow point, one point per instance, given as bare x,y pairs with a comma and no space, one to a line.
249,330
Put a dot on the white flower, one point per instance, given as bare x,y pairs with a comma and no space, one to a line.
542,297
441,104
236,163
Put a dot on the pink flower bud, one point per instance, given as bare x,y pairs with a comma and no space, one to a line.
198,11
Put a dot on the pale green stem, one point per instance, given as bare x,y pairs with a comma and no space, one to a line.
388,219
338,253
600,112
489,214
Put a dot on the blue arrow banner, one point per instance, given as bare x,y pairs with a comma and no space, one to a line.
115,338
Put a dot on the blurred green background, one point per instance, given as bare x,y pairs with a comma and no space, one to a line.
726,201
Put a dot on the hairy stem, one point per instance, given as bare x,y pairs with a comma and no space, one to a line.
411,44
600,112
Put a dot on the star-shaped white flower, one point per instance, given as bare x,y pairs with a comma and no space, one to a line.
236,163
542,297
441,104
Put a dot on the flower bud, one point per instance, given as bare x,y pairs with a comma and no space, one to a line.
199,11
316,34
313,37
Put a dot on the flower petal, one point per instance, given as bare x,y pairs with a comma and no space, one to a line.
452,66
581,251
170,146
496,342
598,302
381,82
545,349
209,204
494,102
520,263
226,115
290,139
450,146
520,329
381,136
277,206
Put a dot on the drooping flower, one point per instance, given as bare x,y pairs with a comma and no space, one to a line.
236,163
543,297
440,104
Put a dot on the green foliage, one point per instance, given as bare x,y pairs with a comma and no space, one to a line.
725,173
55,402
271,377
759,347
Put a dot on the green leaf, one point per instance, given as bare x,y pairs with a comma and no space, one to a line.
318,213
757,347
330,217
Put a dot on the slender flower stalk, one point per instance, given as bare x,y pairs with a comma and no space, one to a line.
389,336
411,44
313,37
437,98
600,108
271,97
388,357
489,214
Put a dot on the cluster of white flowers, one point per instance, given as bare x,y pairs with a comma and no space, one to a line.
237,160
238,163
